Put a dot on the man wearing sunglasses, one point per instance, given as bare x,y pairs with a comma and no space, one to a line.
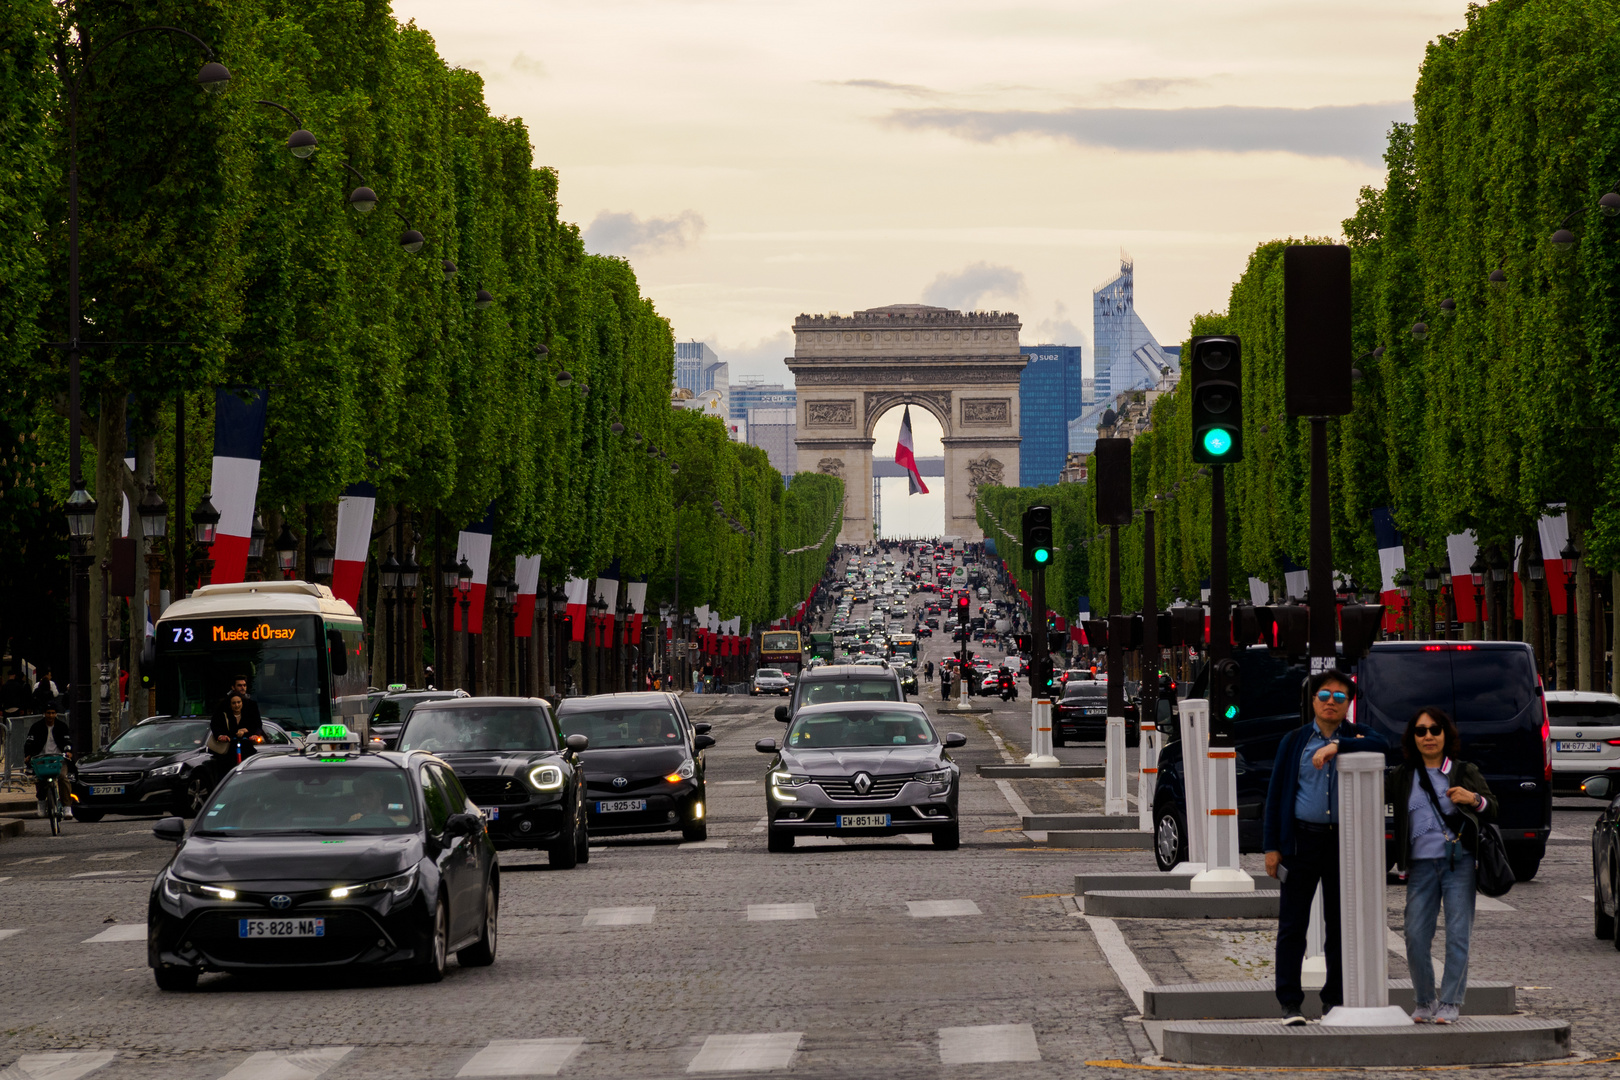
1302,833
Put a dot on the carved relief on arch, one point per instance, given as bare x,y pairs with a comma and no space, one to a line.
831,466
983,470
829,413
937,402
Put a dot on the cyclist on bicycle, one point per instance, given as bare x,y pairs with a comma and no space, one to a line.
49,735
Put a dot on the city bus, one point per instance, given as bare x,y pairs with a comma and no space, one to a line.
781,649
302,651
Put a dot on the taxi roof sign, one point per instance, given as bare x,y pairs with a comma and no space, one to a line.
332,733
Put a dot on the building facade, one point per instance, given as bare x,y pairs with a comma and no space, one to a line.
1125,354
774,431
1051,392
753,392
700,370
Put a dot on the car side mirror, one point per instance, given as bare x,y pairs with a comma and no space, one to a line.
1593,787
578,743
781,713
172,829
702,729
702,742
462,825
766,746
954,740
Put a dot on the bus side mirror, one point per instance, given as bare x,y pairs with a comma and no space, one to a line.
340,655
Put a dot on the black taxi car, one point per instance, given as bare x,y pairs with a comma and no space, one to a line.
513,761
330,857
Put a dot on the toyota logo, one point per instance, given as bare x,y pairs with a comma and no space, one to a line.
280,902
862,783
620,781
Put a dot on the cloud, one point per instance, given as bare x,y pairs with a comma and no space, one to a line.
613,233
1145,87
528,65
1058,330
969,287
1356,132
882,84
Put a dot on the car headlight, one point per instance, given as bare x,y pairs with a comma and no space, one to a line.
787,779
685,772
938,780
546,778
399,886
174,886
167,770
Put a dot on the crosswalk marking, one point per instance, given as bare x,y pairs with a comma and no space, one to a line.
819,841
68,1065
522,1057
746,1053
734,783
8,933
37,859
120,932
619,916
288,1064
706,845
1586,899
99,873
941,909
778,912
919,838
1491,903
3,880
109,856
993,1042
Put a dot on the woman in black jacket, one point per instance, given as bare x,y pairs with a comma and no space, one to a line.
1439,804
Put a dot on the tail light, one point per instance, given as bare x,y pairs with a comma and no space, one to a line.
1546,732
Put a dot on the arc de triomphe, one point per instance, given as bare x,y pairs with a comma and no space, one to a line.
963,368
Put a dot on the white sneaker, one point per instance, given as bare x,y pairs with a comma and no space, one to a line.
1446,1013
1424,1014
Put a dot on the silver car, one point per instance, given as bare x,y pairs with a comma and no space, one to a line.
769,680
862,768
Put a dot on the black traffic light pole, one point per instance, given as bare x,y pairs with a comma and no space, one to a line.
1323,624
1150,625
1220,603
1113,502
1116,644
1040,646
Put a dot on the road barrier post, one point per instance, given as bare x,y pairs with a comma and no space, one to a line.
1221,827
1313,976
1040,734
1147,780
1194,752
1114,803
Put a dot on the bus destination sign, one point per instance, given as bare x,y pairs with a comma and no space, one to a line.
248,630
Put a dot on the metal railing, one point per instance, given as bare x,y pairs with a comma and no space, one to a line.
13,733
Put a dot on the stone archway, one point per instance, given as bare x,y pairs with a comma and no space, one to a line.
961,367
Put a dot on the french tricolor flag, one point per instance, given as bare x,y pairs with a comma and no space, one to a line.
607,591
578,591
528,585
905,457
356,510
1391,561
473,544
636,593
1461,550
1554,535
238,446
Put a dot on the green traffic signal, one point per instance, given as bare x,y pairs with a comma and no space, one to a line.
1217,442
1231,712
1042,555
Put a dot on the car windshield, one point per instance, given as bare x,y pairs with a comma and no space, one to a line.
470,728
1573,712
769,673
830,691
161,738
610,729
864,728
328,798
398,710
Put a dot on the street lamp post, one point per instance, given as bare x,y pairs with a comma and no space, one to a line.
497,633
464,576
388,578
1431,586
1403,582
204,527
1476,573
322,555
1502,604
256,541
444,649
1572,566
1448,599
287,552
154,515
410,576
559,605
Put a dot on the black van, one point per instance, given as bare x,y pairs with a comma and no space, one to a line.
1493,692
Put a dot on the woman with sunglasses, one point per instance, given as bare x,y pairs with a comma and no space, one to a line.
1439,803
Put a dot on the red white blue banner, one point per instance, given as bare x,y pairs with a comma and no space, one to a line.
356,510
238,448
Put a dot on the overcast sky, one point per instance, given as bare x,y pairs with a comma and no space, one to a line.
759,159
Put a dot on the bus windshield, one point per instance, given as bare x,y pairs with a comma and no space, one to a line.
281,657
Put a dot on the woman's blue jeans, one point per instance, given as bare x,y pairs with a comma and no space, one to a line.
1428,883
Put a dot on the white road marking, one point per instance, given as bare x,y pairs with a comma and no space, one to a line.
992,1042
1018,805
1587,899
59,1066
288,1064
941,909
108,856
522,1057
1127,969
38,859
746,1053
99,873
3,880
8,933
919,838
1491,903
777,912
706,845
120,932
819,841
735,783
619,916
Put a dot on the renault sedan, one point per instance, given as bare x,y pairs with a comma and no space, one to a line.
857,769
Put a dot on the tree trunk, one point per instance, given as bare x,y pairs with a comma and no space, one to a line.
1614,664
1584,622
1530,552
109,490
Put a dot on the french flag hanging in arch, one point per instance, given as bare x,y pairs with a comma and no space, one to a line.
238,447
906,457
474,544
356,509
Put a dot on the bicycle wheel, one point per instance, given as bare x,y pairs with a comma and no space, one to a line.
54,809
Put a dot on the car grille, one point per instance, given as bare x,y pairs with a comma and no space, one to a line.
883,787
348,934
110,777
495,790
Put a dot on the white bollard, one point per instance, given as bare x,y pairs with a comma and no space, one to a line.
1194,752
1114,803
1363,917
1313,974
1040,734
1147,779
1221,848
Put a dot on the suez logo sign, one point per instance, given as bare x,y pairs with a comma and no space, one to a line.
229,633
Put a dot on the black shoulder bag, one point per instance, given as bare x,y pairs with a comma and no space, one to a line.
1492,874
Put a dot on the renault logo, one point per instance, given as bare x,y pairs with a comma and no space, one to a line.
861,783
619,781
280,902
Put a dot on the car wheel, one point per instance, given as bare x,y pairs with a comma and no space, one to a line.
81,814
197,791
695,831
1169,839
481,953
1602,925
431,967
582,840
777,840
1524,862
948,838
175,980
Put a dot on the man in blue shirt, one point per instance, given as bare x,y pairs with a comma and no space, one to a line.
1302,834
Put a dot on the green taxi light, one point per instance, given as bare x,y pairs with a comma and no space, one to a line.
332,732
1217,441
1042,555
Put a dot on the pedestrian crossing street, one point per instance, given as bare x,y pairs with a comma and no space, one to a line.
717,1054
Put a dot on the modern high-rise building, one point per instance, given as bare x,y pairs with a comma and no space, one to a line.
1051,392
753,392
775,431
1124,352
698,369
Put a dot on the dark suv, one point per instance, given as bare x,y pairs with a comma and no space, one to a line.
841,683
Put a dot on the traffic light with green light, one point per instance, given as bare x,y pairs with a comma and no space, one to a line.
1038,537
1216,372
1225,700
